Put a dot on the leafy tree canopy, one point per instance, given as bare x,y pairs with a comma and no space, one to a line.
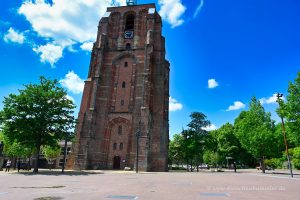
198,122
228,144
291,110
255,130
15,149
51,152
40,115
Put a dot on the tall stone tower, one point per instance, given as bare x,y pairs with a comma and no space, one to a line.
126,94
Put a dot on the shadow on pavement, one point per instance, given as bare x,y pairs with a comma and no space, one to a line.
58,173
284,173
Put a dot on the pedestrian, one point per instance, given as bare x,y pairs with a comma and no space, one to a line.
234,166
8,164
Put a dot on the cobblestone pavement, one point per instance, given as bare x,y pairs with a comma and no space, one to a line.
116,185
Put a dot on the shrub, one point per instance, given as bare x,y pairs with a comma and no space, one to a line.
296,157
296,153
296,163
275,163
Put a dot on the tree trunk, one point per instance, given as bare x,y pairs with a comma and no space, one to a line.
263,168
50,165
187,165
37,156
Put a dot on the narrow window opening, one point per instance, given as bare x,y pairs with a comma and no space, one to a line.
126,64
121,146
122,102
128,46
120,130
123,84
129,22
115,146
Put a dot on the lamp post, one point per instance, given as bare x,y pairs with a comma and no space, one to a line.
279,95
65,153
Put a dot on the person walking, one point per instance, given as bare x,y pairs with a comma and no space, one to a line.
234,166
8,164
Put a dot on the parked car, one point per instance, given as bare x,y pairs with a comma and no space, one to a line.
204,166
25,166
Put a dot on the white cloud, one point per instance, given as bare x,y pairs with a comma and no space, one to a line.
212,83
64,19
270,100
66,22
49,53
236,106
76,21
211,127
199,8
72,82
172,11
70,98
87,46
14,36
174,105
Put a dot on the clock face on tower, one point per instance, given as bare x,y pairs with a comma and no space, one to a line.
128,34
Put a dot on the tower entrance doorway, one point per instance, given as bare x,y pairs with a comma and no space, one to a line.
116,162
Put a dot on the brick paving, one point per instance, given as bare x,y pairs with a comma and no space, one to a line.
110,185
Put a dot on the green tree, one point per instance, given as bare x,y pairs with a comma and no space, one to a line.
296,157
198,123
188,147
211,158
196,136
225,142
176,150
291,111
255,131
40,115
14,149
228,143
51,153
279,135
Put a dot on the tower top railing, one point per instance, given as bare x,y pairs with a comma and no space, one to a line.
131,2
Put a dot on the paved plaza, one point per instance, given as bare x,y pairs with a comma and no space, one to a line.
116,185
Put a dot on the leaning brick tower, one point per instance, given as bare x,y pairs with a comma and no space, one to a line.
125,103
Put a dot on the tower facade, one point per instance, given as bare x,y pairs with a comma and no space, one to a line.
126,94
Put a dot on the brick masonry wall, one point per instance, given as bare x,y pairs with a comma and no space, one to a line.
126,92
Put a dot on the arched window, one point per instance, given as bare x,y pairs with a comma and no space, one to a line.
129,22
122,102
123,84
121,146
120,130
126,64
115,146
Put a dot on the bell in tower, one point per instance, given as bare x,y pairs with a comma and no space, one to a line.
130,2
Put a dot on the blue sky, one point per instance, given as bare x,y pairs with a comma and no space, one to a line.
221,52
